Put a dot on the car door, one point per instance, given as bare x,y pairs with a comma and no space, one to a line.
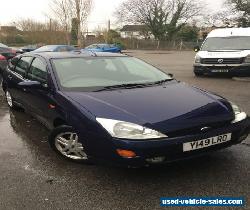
40,98
16,72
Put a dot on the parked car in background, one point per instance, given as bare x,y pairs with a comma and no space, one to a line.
224,52
6,53
104,48
55,48
113,108
28,48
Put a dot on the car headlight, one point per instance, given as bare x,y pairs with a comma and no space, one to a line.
127,130
238,113
247,59
197,59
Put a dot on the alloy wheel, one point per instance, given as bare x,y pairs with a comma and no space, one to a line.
68,145
9,99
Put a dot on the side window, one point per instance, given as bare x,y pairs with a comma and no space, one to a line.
13,63
23,65
38,71
61,49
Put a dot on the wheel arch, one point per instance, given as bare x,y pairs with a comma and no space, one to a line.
59,122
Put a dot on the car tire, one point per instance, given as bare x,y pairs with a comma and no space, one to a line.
64,141
10,100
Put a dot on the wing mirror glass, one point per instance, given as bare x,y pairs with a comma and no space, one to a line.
171,75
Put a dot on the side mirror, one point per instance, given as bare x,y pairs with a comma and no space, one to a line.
30,84
197,49
171,75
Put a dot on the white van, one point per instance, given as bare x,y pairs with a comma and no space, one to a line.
225,51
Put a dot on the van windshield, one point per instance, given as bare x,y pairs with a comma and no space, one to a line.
227,43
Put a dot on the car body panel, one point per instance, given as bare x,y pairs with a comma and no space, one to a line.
162,109
170,108
54,48
103,48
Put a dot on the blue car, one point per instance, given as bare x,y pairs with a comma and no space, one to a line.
104,48
114,109
55,48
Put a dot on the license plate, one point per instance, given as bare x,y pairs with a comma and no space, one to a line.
220,71
200,144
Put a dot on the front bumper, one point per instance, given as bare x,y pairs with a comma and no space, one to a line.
231,70
172,148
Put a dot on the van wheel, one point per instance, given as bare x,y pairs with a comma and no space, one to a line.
10,100
64,140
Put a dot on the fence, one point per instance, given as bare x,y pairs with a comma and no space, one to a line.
140,44
133,44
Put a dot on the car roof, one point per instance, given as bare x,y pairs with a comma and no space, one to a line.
3,45
74,54
56,45
229,32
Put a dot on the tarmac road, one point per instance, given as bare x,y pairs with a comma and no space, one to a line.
34,177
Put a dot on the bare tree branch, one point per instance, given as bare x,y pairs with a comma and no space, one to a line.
164,18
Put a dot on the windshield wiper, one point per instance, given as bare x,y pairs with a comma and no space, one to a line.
122,86
133,85
161,81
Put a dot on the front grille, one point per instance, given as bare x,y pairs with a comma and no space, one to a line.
222,60
197,130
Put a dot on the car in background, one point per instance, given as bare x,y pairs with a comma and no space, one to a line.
25,49
116,109
28,48
224,52
55,48
104,48
6,53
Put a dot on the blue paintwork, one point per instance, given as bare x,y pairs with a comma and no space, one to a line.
175,109
104,48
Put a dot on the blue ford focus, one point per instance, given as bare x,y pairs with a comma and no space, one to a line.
115,109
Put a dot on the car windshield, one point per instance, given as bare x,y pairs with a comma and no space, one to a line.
227,43
93,73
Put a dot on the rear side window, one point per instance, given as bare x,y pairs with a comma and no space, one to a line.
13,63
23,65
38,71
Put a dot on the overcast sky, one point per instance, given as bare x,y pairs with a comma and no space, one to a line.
11,10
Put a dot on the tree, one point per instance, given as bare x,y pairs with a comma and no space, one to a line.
29,25
62,12
164,18
81,11
241,8
188,33
112,36
74,31
66,10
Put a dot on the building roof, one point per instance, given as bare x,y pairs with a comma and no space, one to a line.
134,28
